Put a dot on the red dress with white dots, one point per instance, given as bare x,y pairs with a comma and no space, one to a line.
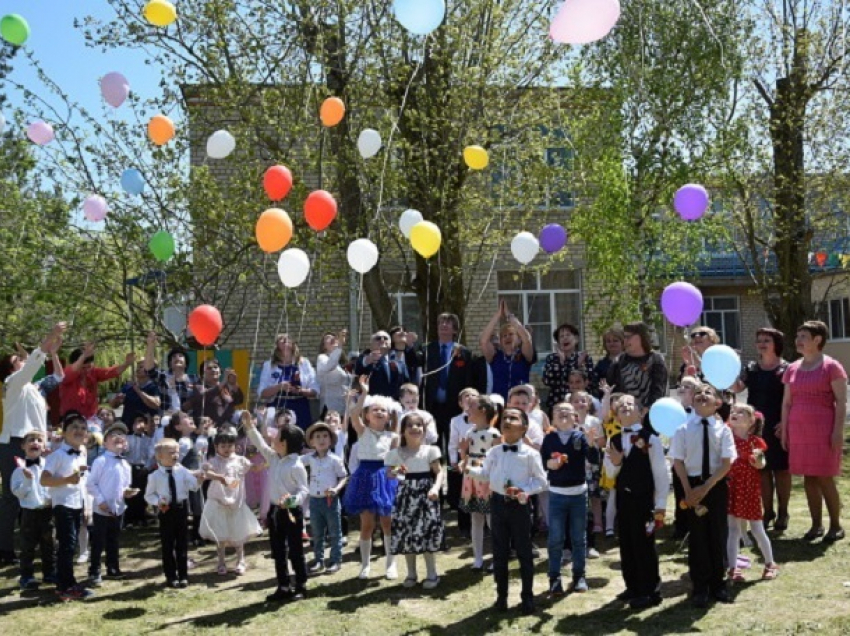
745,481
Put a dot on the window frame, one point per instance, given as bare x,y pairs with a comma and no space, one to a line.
722,312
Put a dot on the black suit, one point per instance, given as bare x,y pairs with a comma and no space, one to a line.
459,378
382,380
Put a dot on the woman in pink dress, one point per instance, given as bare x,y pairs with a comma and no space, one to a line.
812,428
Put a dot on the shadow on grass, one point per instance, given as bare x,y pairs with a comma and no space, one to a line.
124,613
232,617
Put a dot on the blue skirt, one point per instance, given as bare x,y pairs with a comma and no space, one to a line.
370,490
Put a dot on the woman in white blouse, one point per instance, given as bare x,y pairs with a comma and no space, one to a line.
334,380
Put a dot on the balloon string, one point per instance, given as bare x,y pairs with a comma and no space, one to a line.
86,284
257,332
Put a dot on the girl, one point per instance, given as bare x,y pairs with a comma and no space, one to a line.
416,523
370,492
745,489
140,456
475,495
590,425
227,519
610,428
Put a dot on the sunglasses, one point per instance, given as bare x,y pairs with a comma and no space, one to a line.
699,334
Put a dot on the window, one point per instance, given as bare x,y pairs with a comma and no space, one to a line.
542,302
406,313
721,314
839,319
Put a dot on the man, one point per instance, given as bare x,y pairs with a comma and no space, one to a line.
213,399
385,376
639,371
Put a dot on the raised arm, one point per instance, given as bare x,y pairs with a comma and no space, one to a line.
527,347
150,351
357,410
486,336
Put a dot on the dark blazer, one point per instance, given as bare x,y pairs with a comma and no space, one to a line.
379,383
460,375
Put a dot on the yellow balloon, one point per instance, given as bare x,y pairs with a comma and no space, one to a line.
476,157
160,13
425,237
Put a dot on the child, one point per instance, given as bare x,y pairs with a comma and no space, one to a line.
475,495
370,493
636,459
104,419
417,527
703,450
327,479
255,480
94,449
686,396
168,489
334,420
524,397
409,399
139,455
36,512
565,454
459,426
579,380
182,428
288,491
745,490
64,473
515,473
607,482
202,440
590,425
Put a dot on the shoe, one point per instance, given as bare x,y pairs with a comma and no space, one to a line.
240,568
345,542
501,604
645,602
333,568
430,584
364,572
527,608
299,594
722,595
735,575
580,585
535,553
813,533
592,553
175,583
114,575
490,568
83,558
183,583
28,583
609,534
222,569
477,567
597,529
76,593
833,535
95,580
409,582
280,595
317,568
781,524
771,571
769,518
626,596
556,588
700,601
392,572
305,536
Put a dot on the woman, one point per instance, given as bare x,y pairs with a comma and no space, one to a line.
613,341
334,380
510,361
762,379
701,338
287,381
565,359
812,427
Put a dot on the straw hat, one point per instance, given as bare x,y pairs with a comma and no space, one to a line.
320,426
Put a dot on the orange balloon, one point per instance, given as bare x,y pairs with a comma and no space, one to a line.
332,111
319,210
274,230
160,129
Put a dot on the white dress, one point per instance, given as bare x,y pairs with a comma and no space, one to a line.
227,517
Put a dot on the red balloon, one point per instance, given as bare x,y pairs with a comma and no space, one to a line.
277,182
319,210
205,323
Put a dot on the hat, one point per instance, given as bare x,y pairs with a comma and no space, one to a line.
320,426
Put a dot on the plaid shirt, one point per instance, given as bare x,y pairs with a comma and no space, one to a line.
185,388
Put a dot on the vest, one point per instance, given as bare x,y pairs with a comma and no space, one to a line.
635,476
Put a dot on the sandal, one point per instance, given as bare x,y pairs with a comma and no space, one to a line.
834,535
222,569
735,575
771,571
813,534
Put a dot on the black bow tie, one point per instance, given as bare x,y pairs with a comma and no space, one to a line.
628,430
71,451
33,462
512,449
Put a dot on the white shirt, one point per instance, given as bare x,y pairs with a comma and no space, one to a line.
61,463
535,432
660,474
24,408
686,444
374,446
325,472
158,490
334,381
109,477
341,441
431,435
30,493
286,476
418,462
523,469
458,428
139,450
305,371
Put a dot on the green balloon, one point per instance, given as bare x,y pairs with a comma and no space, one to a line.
14,29
161,245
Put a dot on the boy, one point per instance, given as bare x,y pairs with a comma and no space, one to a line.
168,489
63,473
703,450
36,512
685,392
459,426
409,399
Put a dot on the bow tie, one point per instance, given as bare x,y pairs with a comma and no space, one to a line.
630,430
71,451
512,449
33,462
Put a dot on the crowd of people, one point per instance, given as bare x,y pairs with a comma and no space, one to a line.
407,431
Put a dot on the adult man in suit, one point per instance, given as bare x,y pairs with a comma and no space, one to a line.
385,376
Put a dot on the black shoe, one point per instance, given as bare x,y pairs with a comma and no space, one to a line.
700,601
299,594
644,602
626,596
722,595
281,595
527,608
535,553
444,546
114,575
182,583
556,588
175,583
501,604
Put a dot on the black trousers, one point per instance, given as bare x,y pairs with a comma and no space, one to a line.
443,414
136,505
707,543
638,556
455,486
67,522
285,536
37,532
511,525
104,534
680,516
174,535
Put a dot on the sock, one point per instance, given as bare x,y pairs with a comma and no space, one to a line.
390,560
410,559
240,553
431,565
733,542
220,550
477,533
365,553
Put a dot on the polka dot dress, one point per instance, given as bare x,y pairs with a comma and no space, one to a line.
745,481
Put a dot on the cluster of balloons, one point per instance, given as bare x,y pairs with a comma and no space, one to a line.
584,21
425,237
160,13
525,246
14,29
420,17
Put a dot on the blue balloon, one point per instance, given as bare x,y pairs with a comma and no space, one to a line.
667,415
132,181
420,17
721,366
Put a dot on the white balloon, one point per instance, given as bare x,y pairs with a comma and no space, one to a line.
524,247
293,267
2,123
369,143
220,144
362,255
408,219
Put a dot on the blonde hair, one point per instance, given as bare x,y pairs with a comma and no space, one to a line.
166,443
408,387
756,418
296,352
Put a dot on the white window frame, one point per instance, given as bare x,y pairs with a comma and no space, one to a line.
844,309
721,333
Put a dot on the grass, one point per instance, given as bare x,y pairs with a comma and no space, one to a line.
811,595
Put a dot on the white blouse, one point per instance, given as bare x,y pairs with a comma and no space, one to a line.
418,462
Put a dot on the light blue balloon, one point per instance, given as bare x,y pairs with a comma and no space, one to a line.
667,415
132,181
420,17
721,366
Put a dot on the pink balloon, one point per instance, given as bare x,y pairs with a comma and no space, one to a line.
94,208
115,89
40,133
584,21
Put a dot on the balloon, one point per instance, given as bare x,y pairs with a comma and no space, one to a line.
94,208
14,29
476,157
362,255
161,245
205,324
721,366
220,144
332,111
408,219
277,182
115,89
524,247
160,13
691,201
552,238
584,21
666,415
40,133
319,210
293,267
425,237
160,129
274,230
369,143
681,304
132,181
420,17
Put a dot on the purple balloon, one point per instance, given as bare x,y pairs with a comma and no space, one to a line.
552,238
115,89
94,208
681,304
691,201
40,133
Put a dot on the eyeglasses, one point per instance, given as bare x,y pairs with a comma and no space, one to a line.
381,338
699,334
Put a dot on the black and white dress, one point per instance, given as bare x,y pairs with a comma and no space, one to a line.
417,526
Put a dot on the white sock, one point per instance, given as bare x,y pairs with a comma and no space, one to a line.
390,560
431,565
365,553
477,532
733,542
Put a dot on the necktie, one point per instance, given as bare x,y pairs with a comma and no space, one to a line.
33,462
71,451
172,487
512,449
706,469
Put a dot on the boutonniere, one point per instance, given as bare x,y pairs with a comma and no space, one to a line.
640,443
644,367
393,366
